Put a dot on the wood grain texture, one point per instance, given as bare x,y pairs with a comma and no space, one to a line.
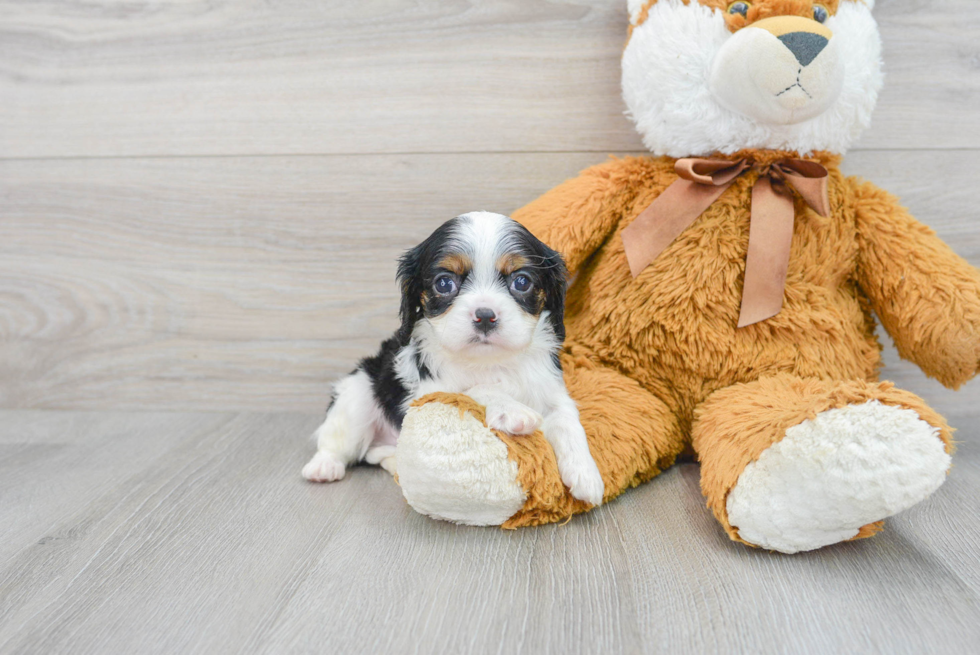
216,282
200,208
219,78
251,283
194,533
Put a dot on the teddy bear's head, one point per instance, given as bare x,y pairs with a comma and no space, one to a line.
716,76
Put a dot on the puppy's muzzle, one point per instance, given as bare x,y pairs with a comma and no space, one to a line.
485,320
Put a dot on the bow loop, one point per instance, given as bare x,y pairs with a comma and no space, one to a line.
700,183
717,172
809,179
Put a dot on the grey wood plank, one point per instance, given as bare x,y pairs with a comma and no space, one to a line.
191,521
53,463
251,283
215,544
352,77
535,591
184,268
884,595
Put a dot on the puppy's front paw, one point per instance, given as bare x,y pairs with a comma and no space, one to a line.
513,418
583,480
324,467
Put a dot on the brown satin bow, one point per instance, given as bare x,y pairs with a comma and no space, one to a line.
702,181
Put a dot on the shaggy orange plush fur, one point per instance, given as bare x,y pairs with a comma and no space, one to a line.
658,366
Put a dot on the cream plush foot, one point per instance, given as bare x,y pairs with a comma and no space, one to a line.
831,475
454,468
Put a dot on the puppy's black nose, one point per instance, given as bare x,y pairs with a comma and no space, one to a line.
805,46
485,320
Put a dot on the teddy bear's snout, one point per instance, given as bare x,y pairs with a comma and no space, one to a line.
781,70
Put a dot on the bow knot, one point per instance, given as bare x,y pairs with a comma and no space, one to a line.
702,181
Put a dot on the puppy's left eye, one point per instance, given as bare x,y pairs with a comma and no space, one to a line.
444,285
820,13
521,283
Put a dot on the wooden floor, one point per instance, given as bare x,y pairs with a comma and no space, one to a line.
194,533
201,203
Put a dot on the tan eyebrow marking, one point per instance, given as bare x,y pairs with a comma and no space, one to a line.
458,264
510,263
541,298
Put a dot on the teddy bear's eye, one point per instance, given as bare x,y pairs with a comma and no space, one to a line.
739,8
819,13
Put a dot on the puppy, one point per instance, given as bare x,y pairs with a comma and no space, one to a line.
481,314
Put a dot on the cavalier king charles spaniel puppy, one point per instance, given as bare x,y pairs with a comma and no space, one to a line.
481,314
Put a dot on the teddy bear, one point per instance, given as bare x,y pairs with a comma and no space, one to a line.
724,296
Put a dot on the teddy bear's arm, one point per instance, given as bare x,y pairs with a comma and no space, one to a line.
576,216
926,296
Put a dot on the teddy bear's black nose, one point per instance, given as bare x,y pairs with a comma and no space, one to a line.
805,46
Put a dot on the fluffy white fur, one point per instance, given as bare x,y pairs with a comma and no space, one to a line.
667,67
510,370
354,426
835,473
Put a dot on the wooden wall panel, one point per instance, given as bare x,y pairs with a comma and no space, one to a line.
250,283
248,77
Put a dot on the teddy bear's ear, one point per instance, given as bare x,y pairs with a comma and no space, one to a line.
635,7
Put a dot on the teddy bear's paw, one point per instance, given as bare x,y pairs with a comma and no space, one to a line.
452,467
513,418
324,467
835,473
583,480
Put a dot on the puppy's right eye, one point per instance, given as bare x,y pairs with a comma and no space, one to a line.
521,284
444,285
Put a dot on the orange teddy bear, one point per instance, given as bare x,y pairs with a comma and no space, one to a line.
725,293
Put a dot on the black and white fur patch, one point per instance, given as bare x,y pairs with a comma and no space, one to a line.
482,307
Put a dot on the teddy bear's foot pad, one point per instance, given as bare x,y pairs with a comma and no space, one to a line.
452,467
835,473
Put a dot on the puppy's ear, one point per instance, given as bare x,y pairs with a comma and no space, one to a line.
410,283
555,282
412,269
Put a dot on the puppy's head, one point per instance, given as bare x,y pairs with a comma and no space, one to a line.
482,285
